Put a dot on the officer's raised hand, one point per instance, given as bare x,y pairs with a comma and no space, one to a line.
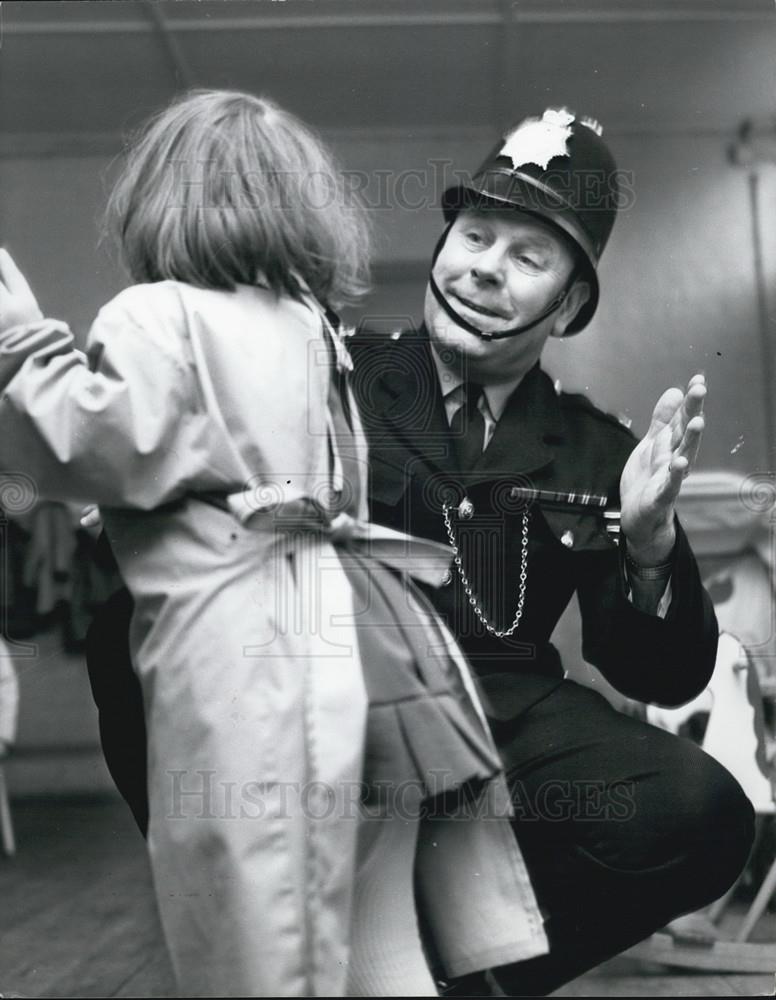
653,475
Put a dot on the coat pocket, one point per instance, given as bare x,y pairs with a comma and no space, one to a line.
579,531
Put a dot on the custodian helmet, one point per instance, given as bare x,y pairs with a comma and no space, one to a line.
559,168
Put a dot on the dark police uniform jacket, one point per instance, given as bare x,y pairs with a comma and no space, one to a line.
557,444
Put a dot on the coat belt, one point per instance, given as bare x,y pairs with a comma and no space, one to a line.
425,561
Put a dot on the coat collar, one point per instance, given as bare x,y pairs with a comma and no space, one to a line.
413,407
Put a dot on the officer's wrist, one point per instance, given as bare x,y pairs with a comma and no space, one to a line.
658,573
655,555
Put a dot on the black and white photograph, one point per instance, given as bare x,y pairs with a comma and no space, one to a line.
387,498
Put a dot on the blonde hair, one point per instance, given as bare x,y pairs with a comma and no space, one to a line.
223,188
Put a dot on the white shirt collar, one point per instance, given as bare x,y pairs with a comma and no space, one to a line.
497,396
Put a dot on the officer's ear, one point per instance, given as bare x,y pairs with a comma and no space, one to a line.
577,296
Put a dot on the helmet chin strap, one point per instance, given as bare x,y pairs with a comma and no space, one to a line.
556,303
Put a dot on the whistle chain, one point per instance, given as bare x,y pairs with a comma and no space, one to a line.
467,587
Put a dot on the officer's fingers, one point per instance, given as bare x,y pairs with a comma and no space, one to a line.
691,441
666,409
672,484
694,398
695,426
691,408
678,469
91,517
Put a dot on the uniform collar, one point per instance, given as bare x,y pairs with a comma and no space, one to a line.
530,424
450,378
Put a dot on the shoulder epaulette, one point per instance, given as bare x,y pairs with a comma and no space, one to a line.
367,337
578,401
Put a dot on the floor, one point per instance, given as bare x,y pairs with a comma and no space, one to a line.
78,916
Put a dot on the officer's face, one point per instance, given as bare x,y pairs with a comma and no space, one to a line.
499,270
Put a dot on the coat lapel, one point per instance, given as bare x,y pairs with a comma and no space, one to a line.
413,410
524,437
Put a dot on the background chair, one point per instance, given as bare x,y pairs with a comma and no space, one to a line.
728,521
9,717
6,824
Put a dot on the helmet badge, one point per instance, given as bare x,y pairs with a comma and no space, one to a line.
593,124
538,140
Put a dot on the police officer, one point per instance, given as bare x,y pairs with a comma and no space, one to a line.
542,496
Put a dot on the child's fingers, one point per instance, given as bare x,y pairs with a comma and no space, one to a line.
13,279
10,275
4,267
17,303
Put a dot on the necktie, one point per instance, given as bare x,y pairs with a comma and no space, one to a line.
468,427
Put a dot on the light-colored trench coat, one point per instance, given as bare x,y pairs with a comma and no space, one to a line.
243,638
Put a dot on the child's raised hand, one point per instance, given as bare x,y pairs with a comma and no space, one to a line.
17,303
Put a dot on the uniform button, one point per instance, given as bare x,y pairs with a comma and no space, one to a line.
447,579
465,509
567,539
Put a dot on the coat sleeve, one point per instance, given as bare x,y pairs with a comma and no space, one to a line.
663,660
122,429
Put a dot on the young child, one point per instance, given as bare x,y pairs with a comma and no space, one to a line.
291,673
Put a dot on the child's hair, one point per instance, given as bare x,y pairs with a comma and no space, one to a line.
223,188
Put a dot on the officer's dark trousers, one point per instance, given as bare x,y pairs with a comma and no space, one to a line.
623,826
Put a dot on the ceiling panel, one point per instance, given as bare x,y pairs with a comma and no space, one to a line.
690,75
359,76
431,64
